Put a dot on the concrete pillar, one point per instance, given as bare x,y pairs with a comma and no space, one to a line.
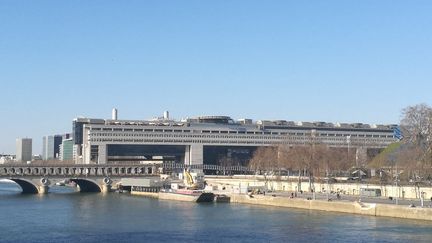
43,189
194,155
86,154
187,155
102,154
106,188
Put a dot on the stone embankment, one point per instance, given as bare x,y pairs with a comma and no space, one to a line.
146,194
289,184
370,209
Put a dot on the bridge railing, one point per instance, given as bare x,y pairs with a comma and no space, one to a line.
108,170
207,167
76,170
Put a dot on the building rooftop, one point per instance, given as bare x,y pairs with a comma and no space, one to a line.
214,121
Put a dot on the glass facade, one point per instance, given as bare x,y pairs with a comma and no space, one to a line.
51,147
67,149
120,152
226,155
77,132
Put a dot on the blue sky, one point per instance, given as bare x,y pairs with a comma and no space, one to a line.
336,61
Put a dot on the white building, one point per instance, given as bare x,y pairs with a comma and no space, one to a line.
23,149
208,139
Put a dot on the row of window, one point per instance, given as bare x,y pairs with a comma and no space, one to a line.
102,134
236,132
177,141
330,141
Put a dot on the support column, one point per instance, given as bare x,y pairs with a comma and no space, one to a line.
194,155
86,154
106,188
102,154
43,189
197,154
187,155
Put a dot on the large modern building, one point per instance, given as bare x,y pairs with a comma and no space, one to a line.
23,149
51,146
212,139
66,150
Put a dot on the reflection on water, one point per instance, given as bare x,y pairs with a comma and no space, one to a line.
66,216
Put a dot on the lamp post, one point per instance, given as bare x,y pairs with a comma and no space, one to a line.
394,161
397,185
328,186
348,139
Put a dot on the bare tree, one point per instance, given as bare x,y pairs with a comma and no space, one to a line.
296,158
416,125
264,159
226,162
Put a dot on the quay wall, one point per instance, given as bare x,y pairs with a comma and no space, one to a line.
369,209
146,194
405,192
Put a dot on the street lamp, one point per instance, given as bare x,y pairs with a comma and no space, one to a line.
394,161
328,186
348,140
397,186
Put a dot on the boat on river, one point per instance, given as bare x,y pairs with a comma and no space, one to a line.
186,195
191,190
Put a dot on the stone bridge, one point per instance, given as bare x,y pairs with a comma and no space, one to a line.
93,177
89,178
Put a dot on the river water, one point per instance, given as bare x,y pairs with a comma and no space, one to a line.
67,216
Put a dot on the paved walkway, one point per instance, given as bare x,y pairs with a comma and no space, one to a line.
351,198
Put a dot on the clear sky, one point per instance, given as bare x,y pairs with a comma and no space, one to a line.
335,61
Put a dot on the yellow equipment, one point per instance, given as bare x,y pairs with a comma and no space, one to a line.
189,180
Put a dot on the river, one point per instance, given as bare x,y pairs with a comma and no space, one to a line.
67,216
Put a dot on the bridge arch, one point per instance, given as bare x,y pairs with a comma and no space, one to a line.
27,186
87,185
